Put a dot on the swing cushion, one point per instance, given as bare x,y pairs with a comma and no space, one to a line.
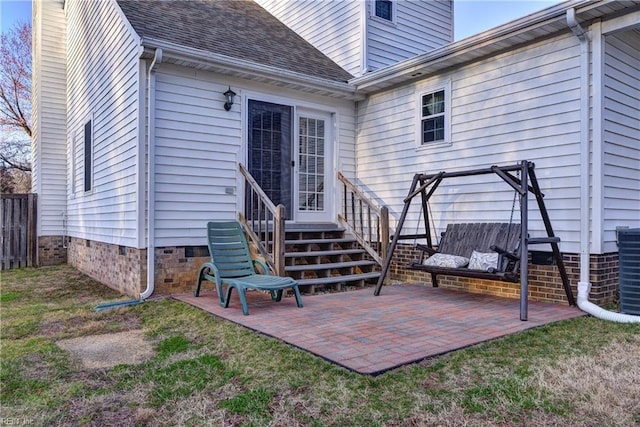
483,261
447,261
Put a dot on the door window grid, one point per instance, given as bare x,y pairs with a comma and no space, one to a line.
311,169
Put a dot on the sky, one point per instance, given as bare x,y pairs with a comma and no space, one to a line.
471,16
13,11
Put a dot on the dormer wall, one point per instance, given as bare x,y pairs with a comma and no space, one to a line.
415,27
350,33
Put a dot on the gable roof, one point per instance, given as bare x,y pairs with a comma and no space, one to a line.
237,29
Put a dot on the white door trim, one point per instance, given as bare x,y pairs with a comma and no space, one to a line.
326,194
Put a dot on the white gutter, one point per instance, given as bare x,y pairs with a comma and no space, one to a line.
251,70
491,40
151,256
584,286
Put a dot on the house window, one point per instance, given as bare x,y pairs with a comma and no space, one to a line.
72,157
434,117
384,9
88,156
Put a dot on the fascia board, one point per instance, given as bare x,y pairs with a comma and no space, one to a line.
245,68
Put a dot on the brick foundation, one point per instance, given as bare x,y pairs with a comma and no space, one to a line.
121,268
125,269
544,280
177,270
51,251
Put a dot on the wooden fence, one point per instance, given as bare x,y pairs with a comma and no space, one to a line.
19,240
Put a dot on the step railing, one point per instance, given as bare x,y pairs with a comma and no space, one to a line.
366,220
264,223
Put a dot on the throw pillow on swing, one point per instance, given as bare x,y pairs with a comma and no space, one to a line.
483,261
446,260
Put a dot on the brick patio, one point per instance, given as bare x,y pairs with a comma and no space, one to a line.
371,335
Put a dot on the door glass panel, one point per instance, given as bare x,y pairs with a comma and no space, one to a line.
311,147
269,156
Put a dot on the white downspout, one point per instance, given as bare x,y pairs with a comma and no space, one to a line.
579,32
151,107
584,286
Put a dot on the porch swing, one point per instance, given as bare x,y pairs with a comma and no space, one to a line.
495,251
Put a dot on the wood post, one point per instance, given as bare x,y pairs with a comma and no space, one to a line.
279,239
384,232
524,239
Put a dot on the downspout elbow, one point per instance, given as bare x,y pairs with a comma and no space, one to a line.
585,305
157,60
575,26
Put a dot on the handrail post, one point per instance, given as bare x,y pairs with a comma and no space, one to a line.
365,225
279,239
384,231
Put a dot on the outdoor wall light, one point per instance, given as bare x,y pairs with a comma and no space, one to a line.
229,94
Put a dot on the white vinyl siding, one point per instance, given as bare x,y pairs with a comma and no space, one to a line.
621,103
49,111
337,29
521,105
198,146
418,27
333,27
103,85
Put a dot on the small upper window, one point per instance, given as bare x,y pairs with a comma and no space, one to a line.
384,9
433,117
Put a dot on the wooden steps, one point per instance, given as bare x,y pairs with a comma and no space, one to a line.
323,257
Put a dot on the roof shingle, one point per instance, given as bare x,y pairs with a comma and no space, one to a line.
234,28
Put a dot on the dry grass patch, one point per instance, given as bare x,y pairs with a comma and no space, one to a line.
603,387
206,371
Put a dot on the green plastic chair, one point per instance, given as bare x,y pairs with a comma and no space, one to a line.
231,265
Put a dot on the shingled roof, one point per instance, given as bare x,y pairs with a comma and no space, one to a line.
238,29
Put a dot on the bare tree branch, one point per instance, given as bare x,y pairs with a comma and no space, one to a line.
15,98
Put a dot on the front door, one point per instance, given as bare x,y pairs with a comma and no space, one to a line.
288,155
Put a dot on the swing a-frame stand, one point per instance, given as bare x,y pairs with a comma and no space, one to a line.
425,185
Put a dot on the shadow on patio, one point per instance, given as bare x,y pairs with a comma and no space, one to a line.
371,335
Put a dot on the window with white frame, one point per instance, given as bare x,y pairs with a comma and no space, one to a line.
434,116
88,155
72,157
384,9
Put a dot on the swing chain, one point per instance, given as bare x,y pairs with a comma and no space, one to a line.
415,234
513,208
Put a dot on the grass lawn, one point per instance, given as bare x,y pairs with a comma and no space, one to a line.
206,371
